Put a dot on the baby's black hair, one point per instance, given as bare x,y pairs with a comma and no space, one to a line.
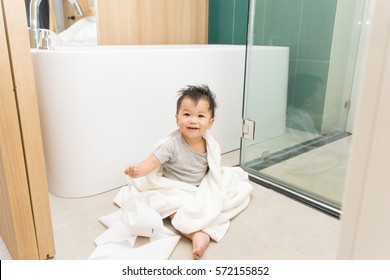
197,93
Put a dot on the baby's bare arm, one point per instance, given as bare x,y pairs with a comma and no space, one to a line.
143,168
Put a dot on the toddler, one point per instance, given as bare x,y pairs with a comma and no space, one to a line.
184,156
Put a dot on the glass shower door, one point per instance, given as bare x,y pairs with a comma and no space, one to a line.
298,95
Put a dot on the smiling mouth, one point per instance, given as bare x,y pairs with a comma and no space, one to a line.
193,128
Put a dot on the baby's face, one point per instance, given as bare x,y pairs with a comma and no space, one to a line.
194,119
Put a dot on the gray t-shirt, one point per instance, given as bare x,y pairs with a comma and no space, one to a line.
180,162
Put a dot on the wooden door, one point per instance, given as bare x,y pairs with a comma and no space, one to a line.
25,220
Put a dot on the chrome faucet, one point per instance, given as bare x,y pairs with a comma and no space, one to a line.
39,37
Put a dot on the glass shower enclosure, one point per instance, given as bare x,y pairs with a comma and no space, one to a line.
299,88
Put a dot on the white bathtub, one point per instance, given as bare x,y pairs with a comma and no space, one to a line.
103,108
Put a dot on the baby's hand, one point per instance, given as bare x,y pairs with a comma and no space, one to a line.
133,171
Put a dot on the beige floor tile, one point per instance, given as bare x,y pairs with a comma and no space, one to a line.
70,210
272,227
4,254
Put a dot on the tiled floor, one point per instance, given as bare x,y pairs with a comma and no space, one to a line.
272,227
319,172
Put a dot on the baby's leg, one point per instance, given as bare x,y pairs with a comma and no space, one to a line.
200,241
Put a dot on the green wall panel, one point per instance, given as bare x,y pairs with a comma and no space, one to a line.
228,21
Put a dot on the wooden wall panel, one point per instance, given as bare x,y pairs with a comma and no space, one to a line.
142,22
69,12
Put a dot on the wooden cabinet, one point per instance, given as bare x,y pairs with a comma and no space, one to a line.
25,219
135,22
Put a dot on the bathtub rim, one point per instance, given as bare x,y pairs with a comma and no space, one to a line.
118,48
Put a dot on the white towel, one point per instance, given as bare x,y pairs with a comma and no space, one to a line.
223,193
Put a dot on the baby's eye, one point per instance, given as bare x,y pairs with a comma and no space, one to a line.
201,116
186,114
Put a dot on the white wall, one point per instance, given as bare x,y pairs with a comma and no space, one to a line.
365,223
346,35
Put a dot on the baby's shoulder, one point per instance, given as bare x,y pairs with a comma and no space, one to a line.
169,144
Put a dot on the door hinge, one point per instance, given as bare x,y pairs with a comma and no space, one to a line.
248,129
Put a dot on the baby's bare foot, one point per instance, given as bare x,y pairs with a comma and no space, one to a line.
200,241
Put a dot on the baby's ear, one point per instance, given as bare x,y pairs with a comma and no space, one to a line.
211,122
